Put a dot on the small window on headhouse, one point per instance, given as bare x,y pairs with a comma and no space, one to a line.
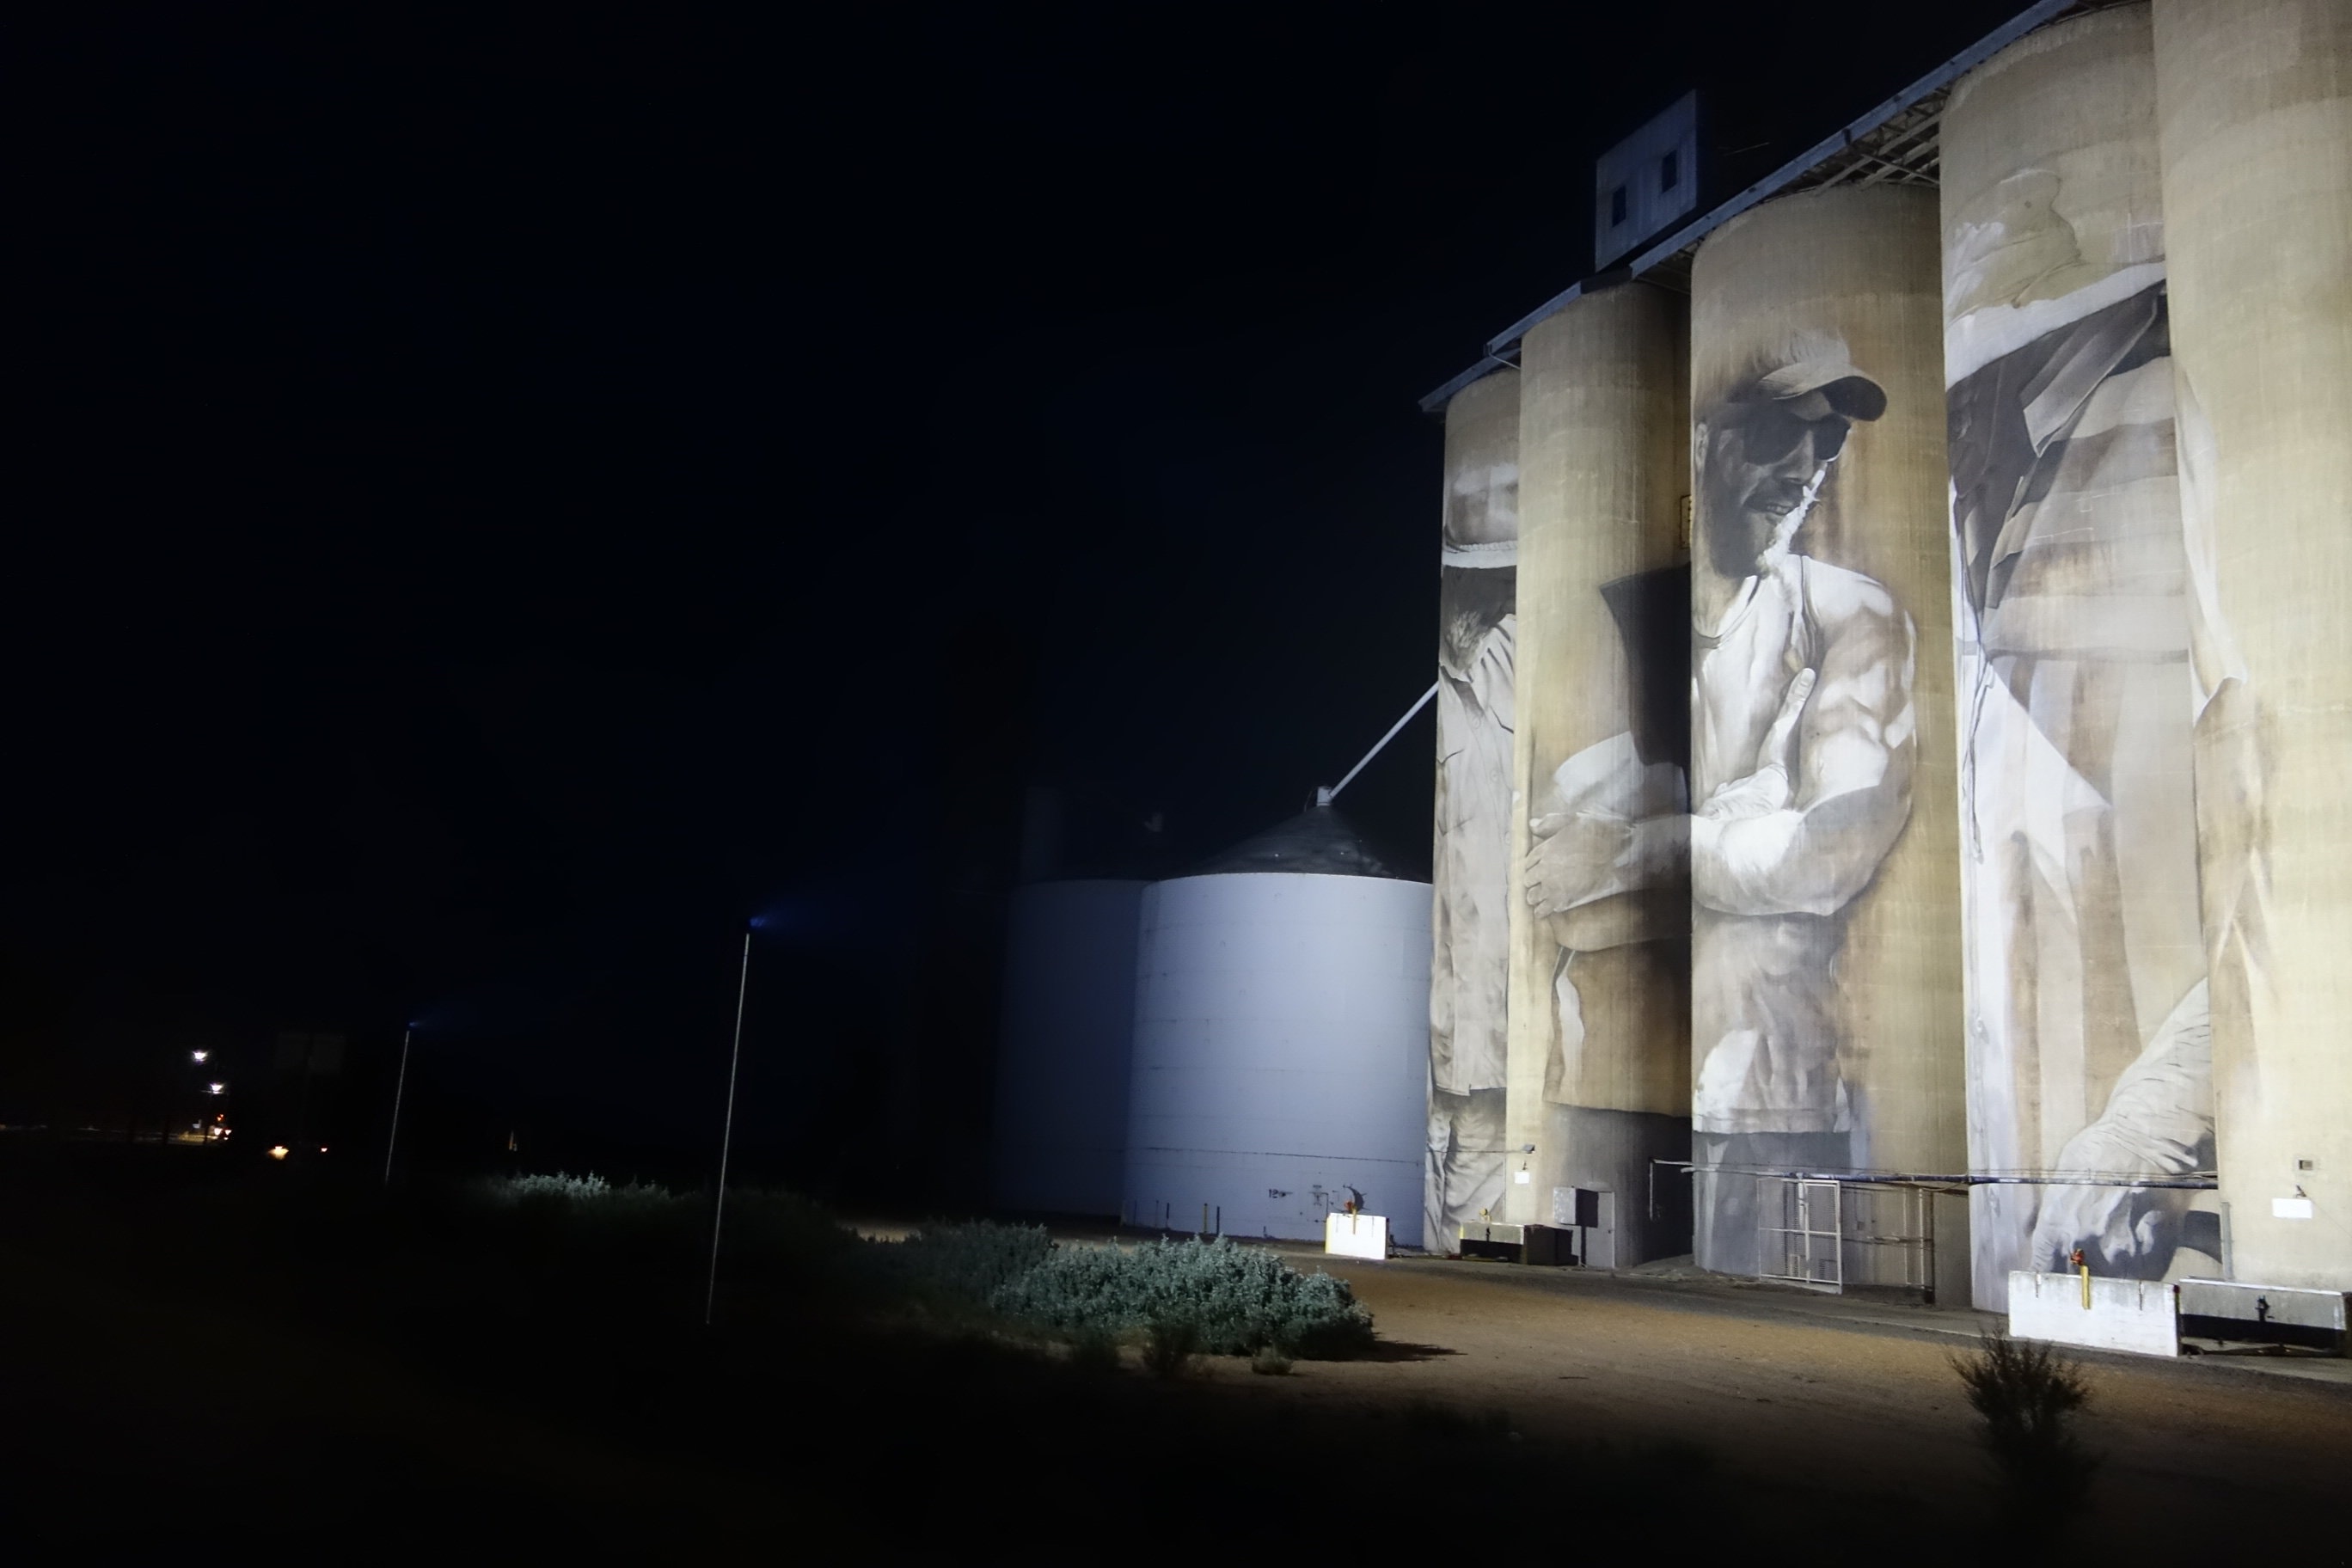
1669,171
1617,206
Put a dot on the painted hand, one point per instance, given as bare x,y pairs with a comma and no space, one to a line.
1576,857
2118,1230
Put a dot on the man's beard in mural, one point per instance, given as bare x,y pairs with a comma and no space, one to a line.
2090,1030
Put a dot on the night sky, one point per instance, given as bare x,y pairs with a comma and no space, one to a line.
499,501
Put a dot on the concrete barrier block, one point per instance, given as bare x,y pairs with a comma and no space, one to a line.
2135,1315
1355,1235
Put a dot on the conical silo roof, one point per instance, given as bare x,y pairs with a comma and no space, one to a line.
1317,842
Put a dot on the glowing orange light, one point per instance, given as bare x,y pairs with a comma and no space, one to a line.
278,1151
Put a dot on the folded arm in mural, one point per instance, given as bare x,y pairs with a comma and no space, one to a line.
1802,747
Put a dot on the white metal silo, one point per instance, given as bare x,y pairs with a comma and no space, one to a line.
1062,1068
1281,1046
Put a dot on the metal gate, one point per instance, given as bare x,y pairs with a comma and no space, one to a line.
1799,1240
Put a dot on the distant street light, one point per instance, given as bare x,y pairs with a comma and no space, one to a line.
219,1089
199,1056
727,1137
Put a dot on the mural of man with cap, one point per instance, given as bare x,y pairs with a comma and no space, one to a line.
1469,980
1802,747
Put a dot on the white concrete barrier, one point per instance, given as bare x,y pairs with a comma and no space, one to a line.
1355,1235
2137,1315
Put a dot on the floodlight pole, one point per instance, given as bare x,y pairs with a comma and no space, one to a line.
399,1086
726,1138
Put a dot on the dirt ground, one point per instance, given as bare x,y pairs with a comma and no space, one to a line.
333,1403
1852,1404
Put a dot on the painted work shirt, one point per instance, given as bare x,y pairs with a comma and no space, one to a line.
1469,988
1781,847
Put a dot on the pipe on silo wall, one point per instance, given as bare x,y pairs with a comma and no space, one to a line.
1600,985
2255,105
2086,1003
1470,921
1825,989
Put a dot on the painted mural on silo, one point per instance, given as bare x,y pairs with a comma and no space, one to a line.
1816,847
1825,998
1600,993
1470,935
2254,99
2089,1035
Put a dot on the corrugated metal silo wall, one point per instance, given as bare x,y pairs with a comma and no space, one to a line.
1600,992
2087,1032
2254,100
1825,982
1469,922
1281,1053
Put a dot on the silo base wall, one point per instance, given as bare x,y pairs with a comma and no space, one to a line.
1268,1198
1636,1156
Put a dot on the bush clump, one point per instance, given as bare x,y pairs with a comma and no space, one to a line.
1237,1299
573,1189
637,1247
1170,1347
2027,1393
962,1264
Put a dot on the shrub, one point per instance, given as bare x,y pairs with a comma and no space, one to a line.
962,1264
516,1189
1174,1340
778,1237
1238,1300
640,1248
1270,1362
2027,1392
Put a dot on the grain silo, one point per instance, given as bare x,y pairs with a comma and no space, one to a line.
1062,1076
2254,122
1825,1005
1600,991
1281,1039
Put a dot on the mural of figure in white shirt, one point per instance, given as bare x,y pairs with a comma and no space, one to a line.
1802,747
1470,975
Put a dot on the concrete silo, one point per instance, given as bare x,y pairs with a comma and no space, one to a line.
2086,994
1062,1065
1470,918
1281,1040
1825,989
1600,985
2254,104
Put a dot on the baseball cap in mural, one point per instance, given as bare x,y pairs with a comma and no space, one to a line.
1817,381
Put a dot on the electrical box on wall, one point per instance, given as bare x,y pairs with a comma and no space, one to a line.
1646,182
